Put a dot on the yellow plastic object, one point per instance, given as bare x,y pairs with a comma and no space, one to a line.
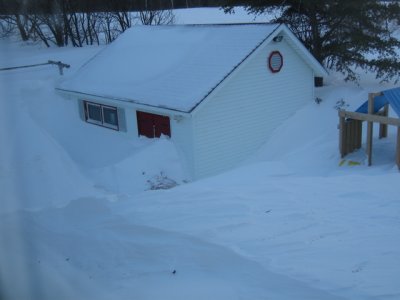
350,163
353,163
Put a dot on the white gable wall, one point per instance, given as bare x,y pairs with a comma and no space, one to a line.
182,136
240,115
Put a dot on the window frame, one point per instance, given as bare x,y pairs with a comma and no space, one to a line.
101,123
108,125
87,116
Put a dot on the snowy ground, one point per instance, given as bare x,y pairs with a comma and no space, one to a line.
78,221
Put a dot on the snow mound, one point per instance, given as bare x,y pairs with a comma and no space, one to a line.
35,171
307,142
156,164
118,259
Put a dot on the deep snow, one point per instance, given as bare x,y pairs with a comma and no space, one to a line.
78,219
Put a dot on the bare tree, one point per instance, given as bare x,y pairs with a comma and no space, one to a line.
157,17
124,19
107,27
7,26
70,22
16,22
91,33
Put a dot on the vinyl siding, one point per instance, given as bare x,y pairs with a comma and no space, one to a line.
243,112
182,136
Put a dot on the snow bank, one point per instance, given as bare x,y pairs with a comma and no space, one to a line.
336,233
35,171
119,259
155,165
52,156
307,143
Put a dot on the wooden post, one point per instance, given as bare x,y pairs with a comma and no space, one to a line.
370,127
398,148
359,134
347,140
383,128
342,135
351,135
345,131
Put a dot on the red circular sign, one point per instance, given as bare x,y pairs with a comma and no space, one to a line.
275,61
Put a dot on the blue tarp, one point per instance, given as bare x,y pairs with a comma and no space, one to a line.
391,96
379,102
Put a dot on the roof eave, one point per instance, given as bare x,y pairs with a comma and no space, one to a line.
119,99
316,66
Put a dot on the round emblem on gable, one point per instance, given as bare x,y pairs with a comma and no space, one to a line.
275,61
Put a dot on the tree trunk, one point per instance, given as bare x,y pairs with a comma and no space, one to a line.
21,28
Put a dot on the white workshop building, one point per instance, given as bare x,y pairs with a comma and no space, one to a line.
218,91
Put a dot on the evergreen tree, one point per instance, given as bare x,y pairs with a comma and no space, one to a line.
342,34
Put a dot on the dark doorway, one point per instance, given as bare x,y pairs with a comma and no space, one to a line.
152,125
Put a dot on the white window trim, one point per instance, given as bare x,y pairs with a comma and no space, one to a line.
88,119
100,123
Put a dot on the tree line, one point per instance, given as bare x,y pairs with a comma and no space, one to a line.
343,35
85,22
66,23
48,6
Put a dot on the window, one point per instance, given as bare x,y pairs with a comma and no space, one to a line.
110,116
275,61
102,115
93,113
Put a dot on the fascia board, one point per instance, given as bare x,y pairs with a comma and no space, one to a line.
236,70
298,46
122,102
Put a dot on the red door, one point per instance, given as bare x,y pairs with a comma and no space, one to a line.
152,125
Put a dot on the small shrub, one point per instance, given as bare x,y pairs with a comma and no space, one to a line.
341,104
161,182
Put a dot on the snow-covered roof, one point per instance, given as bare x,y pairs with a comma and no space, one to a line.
174,67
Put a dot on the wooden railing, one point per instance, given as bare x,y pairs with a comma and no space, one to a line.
350,129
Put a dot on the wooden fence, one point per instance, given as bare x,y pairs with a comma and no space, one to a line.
350,126
350,136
